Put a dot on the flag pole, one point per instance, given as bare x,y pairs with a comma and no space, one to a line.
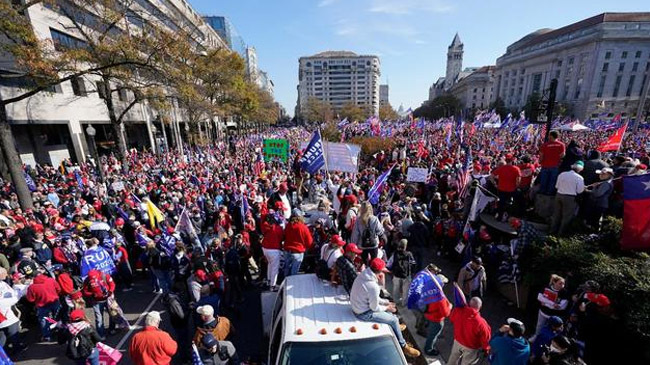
324,151
514,277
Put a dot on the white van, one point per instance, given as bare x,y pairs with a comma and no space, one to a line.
312,323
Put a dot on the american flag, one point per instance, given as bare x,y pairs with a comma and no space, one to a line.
463,175
196,359
542,134
375,191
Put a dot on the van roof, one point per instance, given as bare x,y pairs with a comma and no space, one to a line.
312,305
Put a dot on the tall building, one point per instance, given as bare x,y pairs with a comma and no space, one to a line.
474,88
51,126
602,65
228,33
383,95
252,71
454,61
339,77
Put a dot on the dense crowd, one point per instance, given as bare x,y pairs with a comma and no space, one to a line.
206,224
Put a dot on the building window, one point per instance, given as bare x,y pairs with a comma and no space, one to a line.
559,63
608,55
635,66
101,89
637,54
56,89
621,67
475,89
617,85
63,41
605,66
624,55
78,86
576,95
601,86
122,94
645,78
571,61
537,82
630,86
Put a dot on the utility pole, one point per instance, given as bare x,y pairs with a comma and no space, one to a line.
550,107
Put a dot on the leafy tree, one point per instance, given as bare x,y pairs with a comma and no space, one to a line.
387,112
353,112
500,107
443,106
316,110
533,105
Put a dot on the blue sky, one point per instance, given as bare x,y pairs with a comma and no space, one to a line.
410,36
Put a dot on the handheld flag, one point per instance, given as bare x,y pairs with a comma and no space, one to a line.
30,182
314,157
155,215
196,359
185,224
373,194
636,213
459,297
613,143
463,174
425,288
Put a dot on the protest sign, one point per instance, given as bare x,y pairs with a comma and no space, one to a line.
417,174
276,149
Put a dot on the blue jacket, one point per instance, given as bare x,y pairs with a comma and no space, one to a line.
507,350
543,339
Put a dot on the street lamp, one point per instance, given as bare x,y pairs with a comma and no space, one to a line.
90,131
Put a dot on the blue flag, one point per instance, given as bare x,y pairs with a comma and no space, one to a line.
97,258
80,182
167,243
314,157
425,288
373,194
196,359
30,182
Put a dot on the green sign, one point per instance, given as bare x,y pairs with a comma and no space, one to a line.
276,149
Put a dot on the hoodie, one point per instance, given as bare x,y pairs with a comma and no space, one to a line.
364,295
508,350
43,291
470,329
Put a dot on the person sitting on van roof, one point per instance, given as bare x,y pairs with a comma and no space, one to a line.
344,270
368,306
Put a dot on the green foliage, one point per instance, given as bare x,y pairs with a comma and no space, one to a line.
499,107
372,145
330,133
624,276
353,112
386,112
316,110
443,106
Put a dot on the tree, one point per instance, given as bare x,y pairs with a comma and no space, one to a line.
386,112
533,105
443,106
316,110
353,112
38,66
499,106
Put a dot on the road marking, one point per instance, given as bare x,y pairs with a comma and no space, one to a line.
136,324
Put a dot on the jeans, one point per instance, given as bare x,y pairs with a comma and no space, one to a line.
563,212
49,310
386,318
292,263
92,359
369,254
505,199
435,329
401,290
10,335
99,309
547,178
273,266
164,279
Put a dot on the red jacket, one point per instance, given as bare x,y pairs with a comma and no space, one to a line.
297,238
65,282
98,286
152,346
470,329
43,291
273,236
438,311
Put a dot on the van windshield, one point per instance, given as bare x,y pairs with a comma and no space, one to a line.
368,351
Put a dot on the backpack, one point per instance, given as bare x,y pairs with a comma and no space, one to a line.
101,285
366,241
322,271
401,265
79,346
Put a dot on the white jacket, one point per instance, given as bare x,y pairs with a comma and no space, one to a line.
8,297
364,295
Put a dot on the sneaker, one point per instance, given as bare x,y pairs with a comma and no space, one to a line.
402,327
433,352
159,291
410,351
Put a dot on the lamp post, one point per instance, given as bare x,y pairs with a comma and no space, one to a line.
155,139
90,131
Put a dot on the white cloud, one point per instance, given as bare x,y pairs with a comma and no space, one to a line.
403,7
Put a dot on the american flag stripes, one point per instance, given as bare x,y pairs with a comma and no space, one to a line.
464,173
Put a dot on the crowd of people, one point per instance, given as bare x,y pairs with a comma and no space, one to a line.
205,224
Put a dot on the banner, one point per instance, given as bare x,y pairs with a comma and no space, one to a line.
425,288
636,213
313,158
98,259
341,157
276,149
417,174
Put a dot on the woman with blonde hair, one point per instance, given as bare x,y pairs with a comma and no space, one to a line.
367,231
297,240
553,301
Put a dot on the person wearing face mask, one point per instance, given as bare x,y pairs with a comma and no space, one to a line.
508,346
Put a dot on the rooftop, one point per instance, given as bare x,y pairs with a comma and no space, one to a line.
337,54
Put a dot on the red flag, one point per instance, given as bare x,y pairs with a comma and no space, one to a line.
636,213
614,142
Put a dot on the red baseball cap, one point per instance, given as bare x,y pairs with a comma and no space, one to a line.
201,275
352,247
377,264
77,314
601,300
336,239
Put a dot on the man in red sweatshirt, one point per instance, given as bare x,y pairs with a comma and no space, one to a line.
471,334
44,293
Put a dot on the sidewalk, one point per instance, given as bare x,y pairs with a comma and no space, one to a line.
495,311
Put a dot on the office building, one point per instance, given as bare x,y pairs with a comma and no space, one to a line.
602,65
383,95
340,77
224,27
474,87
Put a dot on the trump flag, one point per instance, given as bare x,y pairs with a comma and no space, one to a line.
314,157
425,288
636,213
